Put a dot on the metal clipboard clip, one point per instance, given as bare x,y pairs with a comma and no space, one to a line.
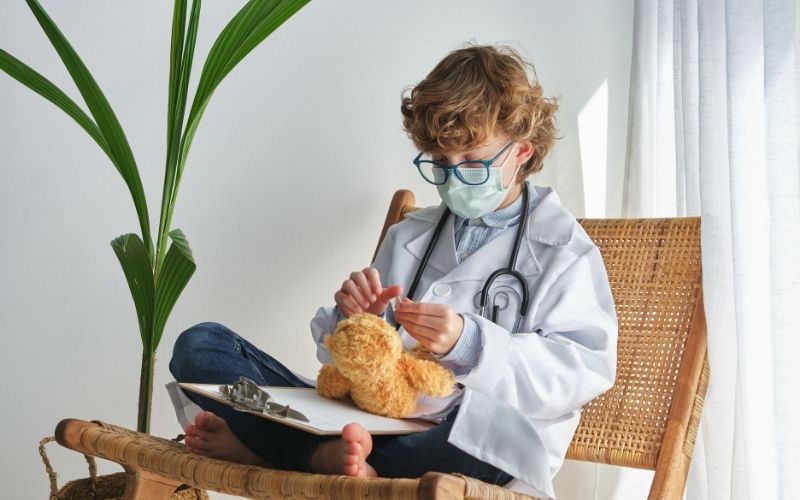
246,395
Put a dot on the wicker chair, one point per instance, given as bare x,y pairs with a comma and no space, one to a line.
647,420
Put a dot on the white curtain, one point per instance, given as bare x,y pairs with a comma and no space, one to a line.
713,131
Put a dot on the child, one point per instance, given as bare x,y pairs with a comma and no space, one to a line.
525,365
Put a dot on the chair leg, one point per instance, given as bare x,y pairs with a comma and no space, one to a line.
142,485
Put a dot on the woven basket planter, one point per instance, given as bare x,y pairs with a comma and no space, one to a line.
106,487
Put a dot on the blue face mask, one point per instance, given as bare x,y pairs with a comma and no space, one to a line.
471,201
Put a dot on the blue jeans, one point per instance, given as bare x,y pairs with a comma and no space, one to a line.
212,353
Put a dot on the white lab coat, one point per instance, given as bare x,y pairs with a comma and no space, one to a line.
521,403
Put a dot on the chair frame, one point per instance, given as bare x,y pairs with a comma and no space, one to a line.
156,466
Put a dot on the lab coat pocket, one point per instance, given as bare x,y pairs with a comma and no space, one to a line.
506,300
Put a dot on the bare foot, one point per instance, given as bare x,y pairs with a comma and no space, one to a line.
347,455
210,436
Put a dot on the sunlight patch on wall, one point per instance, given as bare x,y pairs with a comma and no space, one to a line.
593,137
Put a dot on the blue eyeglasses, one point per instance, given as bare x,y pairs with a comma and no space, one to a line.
472,172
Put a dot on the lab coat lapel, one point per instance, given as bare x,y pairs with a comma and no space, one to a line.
548,224
480,264
443,257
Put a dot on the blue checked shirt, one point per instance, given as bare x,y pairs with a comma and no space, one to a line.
470,235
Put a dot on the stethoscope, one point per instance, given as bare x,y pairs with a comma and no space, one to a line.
484,297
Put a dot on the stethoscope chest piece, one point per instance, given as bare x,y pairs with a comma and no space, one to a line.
500,298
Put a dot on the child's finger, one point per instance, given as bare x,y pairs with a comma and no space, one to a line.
361,281
391,292
374,280
424,308
349,306
427,343
423,331
350,288
346,311
431,323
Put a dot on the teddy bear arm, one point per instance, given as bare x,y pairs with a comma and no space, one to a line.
331,383
428,376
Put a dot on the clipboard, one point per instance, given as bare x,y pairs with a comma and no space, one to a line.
326,417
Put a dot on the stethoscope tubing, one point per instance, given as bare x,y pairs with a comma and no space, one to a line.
484,299
521,228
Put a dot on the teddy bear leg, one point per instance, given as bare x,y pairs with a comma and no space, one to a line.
429,376
331,383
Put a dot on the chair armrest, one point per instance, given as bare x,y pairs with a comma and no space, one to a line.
156,466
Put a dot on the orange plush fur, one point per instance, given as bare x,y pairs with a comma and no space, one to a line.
372,367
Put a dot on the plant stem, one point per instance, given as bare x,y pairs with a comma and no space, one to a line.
146,391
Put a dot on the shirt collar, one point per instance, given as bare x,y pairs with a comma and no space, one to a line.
549,223
501,219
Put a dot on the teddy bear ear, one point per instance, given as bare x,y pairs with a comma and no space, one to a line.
326,337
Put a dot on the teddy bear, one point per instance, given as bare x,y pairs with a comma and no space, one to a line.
371,365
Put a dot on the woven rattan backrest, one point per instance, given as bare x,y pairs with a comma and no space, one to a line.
655,274
654,269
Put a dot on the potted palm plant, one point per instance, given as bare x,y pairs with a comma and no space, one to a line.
156,271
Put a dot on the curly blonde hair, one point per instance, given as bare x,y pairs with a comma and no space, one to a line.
473,93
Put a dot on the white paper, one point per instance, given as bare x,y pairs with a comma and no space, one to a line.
326,416
185,408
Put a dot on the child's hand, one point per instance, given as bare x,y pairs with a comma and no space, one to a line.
436,326
363,293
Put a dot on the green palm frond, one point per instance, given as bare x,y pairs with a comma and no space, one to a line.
156,276
249,27
121,154
44,87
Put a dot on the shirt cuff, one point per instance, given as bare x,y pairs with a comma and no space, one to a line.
467,350
339,314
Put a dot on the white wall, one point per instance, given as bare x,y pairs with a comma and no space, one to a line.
285,190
